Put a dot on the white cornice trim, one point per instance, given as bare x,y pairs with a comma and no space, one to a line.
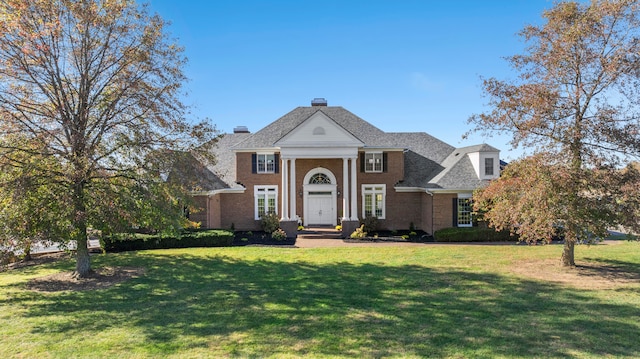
218,191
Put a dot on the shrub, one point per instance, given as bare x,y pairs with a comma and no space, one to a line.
370,223
191,224
338,227
193,238
472,234
270,222
301,228
359,233
279,234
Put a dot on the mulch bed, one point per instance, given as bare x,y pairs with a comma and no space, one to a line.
259,238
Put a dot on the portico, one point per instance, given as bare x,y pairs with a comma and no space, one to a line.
319,138
319,192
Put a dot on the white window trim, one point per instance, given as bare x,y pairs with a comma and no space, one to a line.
259,191
374,170
264,154
384,198
468,196
493,166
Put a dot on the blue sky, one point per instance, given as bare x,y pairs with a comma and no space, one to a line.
402,65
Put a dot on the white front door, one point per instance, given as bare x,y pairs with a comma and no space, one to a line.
320,209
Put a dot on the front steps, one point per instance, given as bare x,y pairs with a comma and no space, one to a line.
320,233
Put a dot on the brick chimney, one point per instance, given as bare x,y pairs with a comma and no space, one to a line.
319,101
240,129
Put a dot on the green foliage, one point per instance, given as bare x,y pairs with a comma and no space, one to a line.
370,223
472,234
359,233
31,210
194,238
270,222
279,234
99,123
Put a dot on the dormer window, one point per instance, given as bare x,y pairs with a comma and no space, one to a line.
488,166
373,162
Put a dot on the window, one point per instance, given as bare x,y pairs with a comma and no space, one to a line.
265,200
266,163
464,212
488,166
373,201
373,162
320,178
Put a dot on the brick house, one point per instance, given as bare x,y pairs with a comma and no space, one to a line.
322,166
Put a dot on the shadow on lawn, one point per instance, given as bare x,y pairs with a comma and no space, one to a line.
269,308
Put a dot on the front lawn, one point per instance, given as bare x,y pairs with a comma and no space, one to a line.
427,301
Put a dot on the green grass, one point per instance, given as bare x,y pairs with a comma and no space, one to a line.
431,301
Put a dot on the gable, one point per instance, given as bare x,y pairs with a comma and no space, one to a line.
318,131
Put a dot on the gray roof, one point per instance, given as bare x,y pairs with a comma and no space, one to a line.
189,172
458,171
429,162
269,135
225,166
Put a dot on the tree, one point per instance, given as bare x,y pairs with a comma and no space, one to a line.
94,87
30,210
575,105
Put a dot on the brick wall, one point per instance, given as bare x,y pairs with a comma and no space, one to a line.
402,209
443,210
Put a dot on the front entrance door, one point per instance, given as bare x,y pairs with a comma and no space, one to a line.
321,209
320,198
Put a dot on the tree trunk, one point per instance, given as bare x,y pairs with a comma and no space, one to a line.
567,259
83,262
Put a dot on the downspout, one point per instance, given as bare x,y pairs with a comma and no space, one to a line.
432,216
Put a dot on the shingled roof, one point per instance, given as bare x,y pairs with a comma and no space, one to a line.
429,162
276,130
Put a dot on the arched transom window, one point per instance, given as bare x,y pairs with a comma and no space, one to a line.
320,178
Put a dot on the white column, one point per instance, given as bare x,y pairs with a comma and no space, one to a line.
354,191
345,188
284,192
292,186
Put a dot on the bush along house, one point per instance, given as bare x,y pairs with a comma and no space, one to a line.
323,166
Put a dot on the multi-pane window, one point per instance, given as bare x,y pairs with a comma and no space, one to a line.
373,201
464,212
373,162
266,163
488,166
320,178
265,200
